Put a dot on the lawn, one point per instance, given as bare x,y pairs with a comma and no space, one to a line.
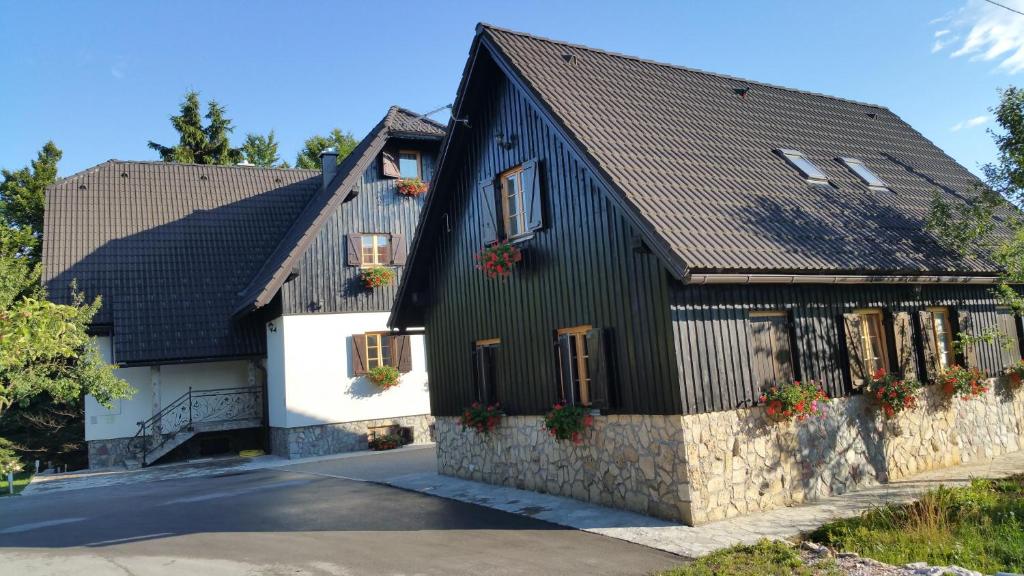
980,527
21,480
762,559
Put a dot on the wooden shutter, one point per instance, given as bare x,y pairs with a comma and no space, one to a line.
401,353
926,321
854,349
479,375
359,354
965,325
597,368
485,374
389,164
1009,341
903,337
761,342
772,340
488,212
399,250
534,201
563,347
354,250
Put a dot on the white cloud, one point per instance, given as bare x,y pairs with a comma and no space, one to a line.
986,33
970,123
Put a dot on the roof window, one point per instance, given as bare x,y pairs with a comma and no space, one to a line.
797,160
864,173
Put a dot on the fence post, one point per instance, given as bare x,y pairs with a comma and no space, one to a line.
190,407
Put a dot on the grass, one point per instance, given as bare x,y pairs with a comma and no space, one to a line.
980,527
21,480
762,559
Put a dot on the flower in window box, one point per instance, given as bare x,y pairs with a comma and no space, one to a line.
498,260
963,382
384,376
1015,373
482,419
893,395
412,187
385,442
795,401
568,422
377,276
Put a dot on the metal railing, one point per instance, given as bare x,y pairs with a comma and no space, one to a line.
221,405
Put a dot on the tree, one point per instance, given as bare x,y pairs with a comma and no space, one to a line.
198,144
261,150
22,196
309,156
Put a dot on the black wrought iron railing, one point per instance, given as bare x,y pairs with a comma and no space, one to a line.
221,405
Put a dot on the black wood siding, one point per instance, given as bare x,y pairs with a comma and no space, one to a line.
713,336
582,268
326,283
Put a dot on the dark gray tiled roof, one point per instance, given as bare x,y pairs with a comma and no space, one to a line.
169,246
398,122
694,160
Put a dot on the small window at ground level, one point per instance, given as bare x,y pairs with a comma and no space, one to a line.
378,350
409,165
376,249
807,168
573,356
771,333
863,172
485,373
942,332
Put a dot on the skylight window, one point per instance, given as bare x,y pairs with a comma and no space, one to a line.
804,165
864,173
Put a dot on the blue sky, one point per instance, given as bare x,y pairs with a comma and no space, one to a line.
101,78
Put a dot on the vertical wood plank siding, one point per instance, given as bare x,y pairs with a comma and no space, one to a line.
326,283
714,347
580,269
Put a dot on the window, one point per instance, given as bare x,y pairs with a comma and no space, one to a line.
378,350
872,337
864,173
771,334
375,249
573,356
409,164
485,353
805,166
942,332
512,204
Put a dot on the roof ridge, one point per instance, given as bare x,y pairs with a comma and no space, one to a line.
235,166
483,26
415,116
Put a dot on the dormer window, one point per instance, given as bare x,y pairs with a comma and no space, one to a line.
409,164
796,159
864,173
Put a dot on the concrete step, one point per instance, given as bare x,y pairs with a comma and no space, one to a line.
132,464
168,445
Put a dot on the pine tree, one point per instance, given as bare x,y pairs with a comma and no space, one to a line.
22,196
198,144
309,156
261,150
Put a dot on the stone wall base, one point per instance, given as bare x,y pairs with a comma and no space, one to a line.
112,452
704,467
324,439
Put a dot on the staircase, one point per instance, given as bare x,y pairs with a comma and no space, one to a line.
195,412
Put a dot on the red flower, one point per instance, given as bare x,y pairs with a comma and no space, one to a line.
588,420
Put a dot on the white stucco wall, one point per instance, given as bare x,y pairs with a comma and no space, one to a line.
121,420
310,380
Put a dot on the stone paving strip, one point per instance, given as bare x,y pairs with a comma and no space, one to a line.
692,542
50,483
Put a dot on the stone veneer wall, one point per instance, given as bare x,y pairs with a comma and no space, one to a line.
324,439
705,467
112,452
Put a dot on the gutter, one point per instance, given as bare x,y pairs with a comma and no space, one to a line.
702,279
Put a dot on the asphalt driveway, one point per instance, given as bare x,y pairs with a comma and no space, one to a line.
314,518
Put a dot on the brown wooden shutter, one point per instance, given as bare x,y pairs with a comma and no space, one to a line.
359,354
479,375
566,391
485,374
965,325
399,250
534,201
488,212
903,336
401,353
354,250
761,343
597,368
772,341
389,164
1009,341
854,349
926,320
782,346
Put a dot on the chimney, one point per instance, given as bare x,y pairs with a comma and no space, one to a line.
329,164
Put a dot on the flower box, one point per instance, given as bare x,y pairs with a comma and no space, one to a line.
568,422
796,400
498,260
893,395
384,376
412,187
376,276
482,419
963,382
